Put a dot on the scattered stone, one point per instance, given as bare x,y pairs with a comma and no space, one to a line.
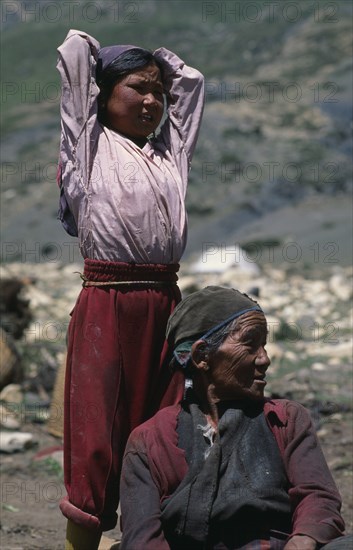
220,258
11,442
318,366
14,309
34,408
339,463
12,394
187,284
274,351
10,363
290,356
108,544
253,291
340,286
277,275
8,419
334,361
322,433
336,417
336,349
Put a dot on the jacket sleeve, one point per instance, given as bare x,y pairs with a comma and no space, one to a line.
315,500
140,502
184,88
78,108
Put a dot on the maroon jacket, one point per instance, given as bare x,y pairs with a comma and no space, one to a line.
154,466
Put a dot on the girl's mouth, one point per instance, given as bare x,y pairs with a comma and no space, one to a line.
146,118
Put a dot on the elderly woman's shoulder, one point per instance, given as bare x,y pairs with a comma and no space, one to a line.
162,424
285,410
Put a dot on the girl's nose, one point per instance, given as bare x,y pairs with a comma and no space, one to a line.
149,99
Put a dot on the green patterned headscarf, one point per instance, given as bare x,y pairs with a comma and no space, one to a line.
201,314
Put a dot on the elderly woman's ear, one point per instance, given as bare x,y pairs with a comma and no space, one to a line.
199,355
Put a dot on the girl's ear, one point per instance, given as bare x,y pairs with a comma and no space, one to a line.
101,100
199,355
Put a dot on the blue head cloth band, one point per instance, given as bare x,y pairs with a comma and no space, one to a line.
182,352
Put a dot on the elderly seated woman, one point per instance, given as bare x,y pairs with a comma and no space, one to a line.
227,468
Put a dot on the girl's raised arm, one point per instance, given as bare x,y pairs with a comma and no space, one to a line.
77,67
184,87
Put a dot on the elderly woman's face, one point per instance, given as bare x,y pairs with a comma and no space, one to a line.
238,368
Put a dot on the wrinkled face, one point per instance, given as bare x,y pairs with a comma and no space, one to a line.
135,107
238,368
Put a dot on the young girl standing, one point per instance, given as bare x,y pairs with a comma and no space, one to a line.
123,194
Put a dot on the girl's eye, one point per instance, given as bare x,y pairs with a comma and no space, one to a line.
137,87
144,91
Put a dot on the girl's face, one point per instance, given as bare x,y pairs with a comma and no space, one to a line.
135,107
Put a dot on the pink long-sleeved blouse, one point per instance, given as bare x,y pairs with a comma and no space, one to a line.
128,203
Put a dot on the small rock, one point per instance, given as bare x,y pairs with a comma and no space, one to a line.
35,410
10,442
339,464
254,291
337,349
274,351
188,284
319,366
218,258
340,287
12,393
108,544
322,433
277,275
8,419
10,363
303,375
291,356
235,278
336,417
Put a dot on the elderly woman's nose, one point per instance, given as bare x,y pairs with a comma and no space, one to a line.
262,360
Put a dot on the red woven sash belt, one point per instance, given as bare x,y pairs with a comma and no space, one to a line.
105,273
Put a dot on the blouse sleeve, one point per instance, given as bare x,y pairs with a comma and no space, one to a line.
140,502
314,496
184,87
79,125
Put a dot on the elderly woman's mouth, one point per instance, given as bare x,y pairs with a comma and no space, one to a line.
260,380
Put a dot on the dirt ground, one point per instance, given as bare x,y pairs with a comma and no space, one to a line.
31,488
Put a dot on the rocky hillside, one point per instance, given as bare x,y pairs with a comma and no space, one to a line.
276,130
